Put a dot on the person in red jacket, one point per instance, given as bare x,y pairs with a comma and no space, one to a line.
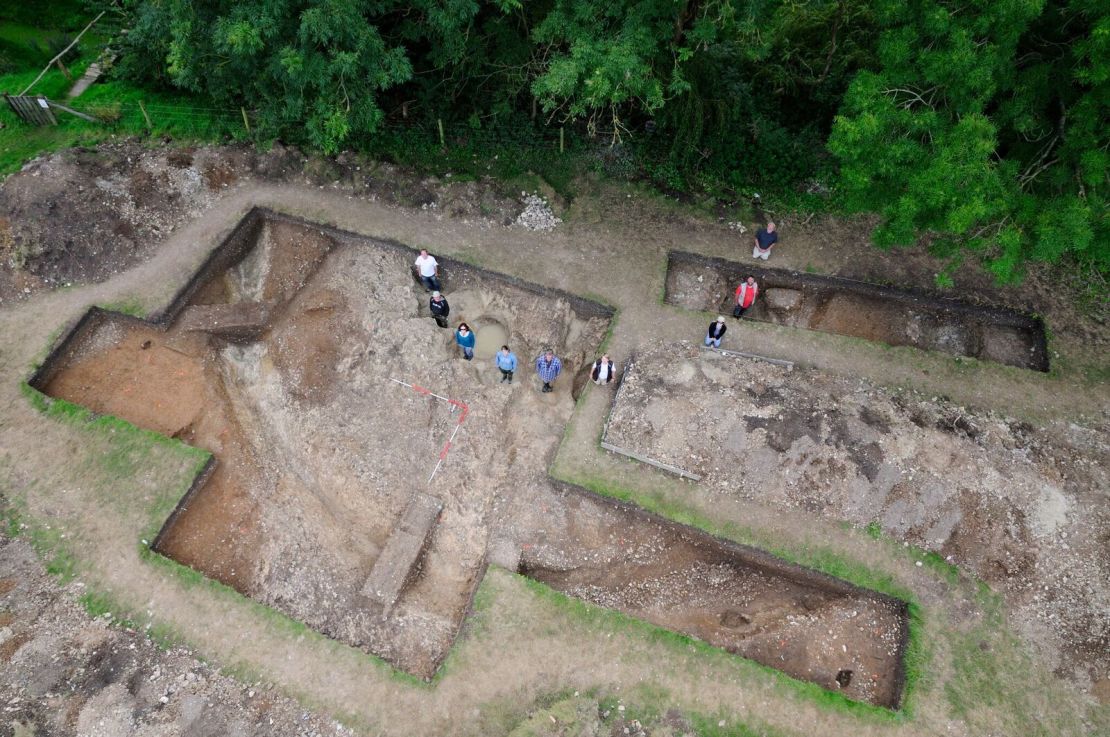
745,296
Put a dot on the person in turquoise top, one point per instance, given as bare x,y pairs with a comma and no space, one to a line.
506,361
464,336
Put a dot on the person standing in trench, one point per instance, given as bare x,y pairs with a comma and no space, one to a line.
506,362
464,336
440,309
548,366
745,296
428,269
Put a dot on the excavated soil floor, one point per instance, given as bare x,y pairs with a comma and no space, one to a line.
318,452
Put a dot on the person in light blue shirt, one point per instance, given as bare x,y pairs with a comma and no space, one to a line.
506,361
464,336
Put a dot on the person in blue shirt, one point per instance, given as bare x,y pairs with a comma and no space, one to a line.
506,361
464,336
765,240
548,367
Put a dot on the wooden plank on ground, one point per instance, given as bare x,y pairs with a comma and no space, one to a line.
650,461
398,560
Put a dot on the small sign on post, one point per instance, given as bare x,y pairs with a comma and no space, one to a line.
33,110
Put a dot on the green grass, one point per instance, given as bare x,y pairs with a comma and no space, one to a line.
130,306
48,541
181,116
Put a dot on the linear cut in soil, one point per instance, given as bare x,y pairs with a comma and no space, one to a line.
834,304
278,356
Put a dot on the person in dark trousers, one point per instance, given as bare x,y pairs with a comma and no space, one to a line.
464,336
440,309
602,371
428,269
716,332
765,240
745,296
548,367
506,362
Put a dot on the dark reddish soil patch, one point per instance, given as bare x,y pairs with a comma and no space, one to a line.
875,312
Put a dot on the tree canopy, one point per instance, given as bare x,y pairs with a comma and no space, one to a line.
981,123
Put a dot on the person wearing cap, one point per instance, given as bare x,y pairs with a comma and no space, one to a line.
603,370
716,332
506,362
548,367
428,269
464,336
440,309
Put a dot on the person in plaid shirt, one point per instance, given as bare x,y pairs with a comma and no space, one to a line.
548,367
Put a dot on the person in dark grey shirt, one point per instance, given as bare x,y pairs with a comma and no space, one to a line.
440,309
765,240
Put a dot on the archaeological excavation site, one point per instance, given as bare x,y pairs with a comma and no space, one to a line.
363,476
271,462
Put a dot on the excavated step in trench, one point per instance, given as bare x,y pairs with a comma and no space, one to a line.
305,359
831,304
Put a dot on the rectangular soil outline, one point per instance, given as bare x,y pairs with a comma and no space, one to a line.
920,300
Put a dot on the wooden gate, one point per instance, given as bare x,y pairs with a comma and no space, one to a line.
34,110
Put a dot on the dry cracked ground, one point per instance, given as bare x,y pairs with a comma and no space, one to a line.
861,461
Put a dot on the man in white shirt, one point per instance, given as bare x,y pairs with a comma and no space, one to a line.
428,269
602,371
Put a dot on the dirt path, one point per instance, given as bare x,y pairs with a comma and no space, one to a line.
520,644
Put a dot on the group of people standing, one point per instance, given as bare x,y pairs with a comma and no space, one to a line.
548,365
765,239
744,298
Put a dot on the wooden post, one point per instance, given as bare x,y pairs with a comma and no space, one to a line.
246,123
149,125
442,138
62,53
62,68
562,140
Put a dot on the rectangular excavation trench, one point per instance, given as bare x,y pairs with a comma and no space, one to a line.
832,304
809,625
195,371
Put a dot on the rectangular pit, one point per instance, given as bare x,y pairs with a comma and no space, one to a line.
834,304
743,600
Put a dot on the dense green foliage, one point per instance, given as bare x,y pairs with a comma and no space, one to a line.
979,123
986,127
